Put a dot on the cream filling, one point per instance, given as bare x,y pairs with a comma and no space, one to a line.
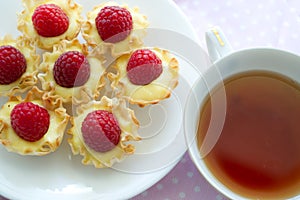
133,41
128,125
25,25
48,143
157,90
76,94
28,79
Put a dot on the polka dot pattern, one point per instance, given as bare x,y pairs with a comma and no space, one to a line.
183,182
269,23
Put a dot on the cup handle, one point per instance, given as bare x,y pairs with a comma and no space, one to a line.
217,43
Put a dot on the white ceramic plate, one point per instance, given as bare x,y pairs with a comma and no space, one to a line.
61,175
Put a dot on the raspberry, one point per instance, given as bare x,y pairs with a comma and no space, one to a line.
113,23
12,64
71,69
101,131
49,20
30,121
143,67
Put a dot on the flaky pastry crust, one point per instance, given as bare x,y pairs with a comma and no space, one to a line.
29,78
128,125
77,95
133,41
25,25
152,93
50,141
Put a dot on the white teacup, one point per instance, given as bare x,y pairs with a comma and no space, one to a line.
228,63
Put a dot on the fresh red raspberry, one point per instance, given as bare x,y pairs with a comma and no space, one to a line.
113,23
101,131
30,121
12,64
71,69
49,20
143,67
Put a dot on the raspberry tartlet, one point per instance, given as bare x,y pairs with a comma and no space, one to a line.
34,125
72,73
102,130
115,28
18,66
50,21
145,76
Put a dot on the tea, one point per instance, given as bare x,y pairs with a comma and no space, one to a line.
258,152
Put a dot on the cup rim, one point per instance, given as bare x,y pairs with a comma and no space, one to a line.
192,147
257,49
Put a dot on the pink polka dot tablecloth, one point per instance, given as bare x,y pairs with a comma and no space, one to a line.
256,23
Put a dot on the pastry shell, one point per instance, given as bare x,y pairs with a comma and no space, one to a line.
50,141
25,25
76,95
133,41
155,91
29,77
128,124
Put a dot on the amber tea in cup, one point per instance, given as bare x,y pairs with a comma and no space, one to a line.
242,121
257,154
